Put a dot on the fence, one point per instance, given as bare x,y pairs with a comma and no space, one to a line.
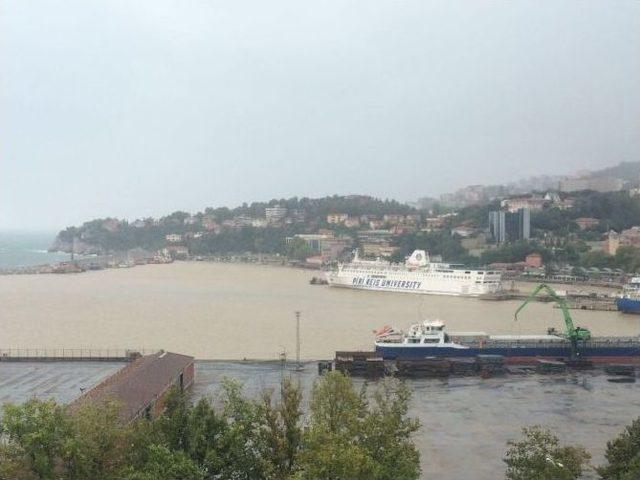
72,354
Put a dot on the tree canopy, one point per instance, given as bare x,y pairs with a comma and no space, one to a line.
348,434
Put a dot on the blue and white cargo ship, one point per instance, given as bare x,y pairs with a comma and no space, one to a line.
629,299
430,339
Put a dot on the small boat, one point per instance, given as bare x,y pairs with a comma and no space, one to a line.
629,299
318,281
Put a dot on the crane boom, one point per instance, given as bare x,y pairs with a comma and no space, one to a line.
572,333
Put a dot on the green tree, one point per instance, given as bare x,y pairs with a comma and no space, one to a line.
628,258
539,456
332,446
348,439
388,432
597,259
98,446
174,424
39,433
165,464
298,249
281,431
623,455
240,451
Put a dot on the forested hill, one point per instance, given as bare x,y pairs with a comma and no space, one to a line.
627,171
303,215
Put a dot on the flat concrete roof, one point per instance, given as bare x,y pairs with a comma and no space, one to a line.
61,381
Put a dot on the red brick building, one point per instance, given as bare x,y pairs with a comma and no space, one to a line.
141,386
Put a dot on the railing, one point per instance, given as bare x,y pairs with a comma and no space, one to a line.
593,343
72,353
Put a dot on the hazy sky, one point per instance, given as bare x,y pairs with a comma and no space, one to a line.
132,108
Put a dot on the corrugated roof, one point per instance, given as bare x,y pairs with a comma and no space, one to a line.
139,384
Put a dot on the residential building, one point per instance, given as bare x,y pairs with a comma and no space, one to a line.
533,260
193,235
532,202
173,238
566,204
275,214
259,223
314,240
552,197
611,242
376,224
401,229
393,218
434,223
630,237
139,224
332,248
111,224
413,219
383,250
337,218
587,222
352,222
209,223
463,231
177,251
376,243
191,220
298,215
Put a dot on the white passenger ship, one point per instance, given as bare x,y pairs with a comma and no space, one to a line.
417,275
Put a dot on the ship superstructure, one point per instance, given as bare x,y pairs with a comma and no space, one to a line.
629,299
417,275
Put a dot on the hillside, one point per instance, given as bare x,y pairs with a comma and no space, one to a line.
627,171
222,229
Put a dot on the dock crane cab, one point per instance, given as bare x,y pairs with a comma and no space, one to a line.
573,334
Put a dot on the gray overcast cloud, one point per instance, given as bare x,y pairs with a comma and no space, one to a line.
132,108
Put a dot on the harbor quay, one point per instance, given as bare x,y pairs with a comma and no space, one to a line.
466,420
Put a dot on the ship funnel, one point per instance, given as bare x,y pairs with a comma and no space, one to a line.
419,258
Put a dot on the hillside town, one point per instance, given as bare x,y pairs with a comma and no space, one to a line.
585,227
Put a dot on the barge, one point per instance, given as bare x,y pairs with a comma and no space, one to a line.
430,340
575,345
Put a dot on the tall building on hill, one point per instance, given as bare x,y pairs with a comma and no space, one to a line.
497,226
510,226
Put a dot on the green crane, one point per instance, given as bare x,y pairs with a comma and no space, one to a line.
573,334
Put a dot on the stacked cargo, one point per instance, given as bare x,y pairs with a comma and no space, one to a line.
366,364
490,365
550,366
463,366
423,367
